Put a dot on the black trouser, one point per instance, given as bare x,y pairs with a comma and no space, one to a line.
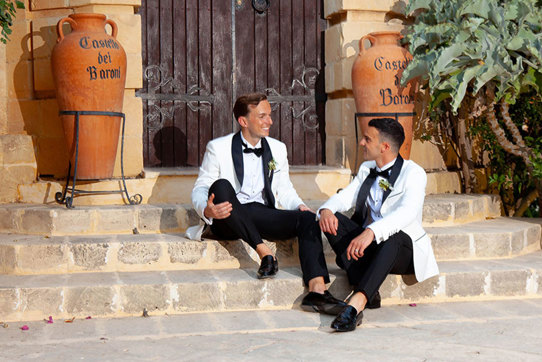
254,221
393,256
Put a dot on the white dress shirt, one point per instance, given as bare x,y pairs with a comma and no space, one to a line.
253,184
374,200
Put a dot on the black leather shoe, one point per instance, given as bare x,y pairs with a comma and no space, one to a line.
268,268
322,303
347,320
375,302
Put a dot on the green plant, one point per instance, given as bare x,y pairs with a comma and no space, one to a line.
474,58
508,174
7,13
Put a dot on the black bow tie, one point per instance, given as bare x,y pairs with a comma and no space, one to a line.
257,151
374,173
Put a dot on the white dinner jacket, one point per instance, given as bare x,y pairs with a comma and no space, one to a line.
402,210
218,163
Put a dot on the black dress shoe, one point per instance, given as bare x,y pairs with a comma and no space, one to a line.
322,303
375,302
268,268
347,320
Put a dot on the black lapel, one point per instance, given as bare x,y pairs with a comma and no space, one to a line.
237,155
395,171
361,208
267,176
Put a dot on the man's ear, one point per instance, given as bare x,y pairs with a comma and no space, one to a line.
385,147
242,121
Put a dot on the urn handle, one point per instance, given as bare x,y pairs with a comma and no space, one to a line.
371,39
59,31
114,28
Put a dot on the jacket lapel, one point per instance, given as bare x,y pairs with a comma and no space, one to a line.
237,155
267,176
395,171
360,213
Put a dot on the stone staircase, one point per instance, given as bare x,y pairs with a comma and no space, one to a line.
117,260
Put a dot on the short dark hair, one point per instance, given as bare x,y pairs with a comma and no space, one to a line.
241,106
389,131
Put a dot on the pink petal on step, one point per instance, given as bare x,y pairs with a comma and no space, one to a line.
24,328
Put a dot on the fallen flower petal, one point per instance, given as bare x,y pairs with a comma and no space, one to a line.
412,305
89,317
24,328
2,324
69,320
50,321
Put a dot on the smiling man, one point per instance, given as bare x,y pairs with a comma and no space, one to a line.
243,181
385,234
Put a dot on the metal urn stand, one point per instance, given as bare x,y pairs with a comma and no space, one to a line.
61,197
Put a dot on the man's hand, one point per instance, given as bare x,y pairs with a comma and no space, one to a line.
304,207
359,244
328,222
218,211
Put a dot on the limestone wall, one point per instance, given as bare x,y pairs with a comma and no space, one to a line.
17,150
349,20
31,106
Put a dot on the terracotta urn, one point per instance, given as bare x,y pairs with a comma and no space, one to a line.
89,71
376,77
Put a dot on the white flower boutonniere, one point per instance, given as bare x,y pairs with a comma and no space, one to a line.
385,185
272,166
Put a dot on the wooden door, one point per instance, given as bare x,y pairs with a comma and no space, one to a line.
199,55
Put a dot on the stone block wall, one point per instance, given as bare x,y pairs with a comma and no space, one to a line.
349,20
17,150
30,103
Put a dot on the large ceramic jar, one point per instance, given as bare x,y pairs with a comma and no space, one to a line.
376,76
89,70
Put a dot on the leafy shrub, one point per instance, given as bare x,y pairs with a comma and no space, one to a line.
7,13
474,58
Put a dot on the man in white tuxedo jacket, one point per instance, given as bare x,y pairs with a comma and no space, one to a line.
243,181
385,234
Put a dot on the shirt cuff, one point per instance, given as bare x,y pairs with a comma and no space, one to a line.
378,234
208,221
320,209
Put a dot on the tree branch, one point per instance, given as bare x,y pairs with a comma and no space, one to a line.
510,125
525,203
496,127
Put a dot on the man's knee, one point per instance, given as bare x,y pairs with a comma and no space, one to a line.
307,221
223,190
307,217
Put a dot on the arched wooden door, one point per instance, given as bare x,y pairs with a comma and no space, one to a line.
199,55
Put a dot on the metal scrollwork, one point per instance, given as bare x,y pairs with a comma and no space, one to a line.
308,115
261,6
196,98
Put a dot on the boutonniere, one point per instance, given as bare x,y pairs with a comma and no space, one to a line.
385,185
272,166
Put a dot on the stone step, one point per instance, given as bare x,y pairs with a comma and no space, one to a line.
120,294
174,185
50,220
25,254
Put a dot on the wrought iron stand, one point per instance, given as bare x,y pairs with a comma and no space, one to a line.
376,114
61,197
